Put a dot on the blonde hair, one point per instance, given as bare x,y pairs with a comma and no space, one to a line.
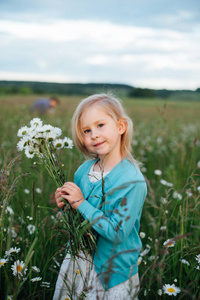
113,108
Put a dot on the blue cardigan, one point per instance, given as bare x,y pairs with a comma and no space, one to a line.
116,220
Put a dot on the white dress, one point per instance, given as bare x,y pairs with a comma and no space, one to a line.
78,279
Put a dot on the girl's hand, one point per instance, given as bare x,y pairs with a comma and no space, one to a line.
59,202
72,193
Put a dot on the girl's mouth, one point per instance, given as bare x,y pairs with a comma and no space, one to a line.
99,144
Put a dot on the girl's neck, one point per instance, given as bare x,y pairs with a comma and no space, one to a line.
106,165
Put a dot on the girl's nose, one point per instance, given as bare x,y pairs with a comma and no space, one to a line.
95,134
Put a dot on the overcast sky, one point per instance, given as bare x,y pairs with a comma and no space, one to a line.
144,43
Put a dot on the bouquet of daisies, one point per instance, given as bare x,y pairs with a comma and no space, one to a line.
43,141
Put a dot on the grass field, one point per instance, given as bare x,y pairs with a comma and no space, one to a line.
166,141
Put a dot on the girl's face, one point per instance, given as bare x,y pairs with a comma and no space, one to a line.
101,133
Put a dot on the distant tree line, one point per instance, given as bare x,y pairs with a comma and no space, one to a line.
122,90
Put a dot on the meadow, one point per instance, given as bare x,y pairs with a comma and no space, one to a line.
166,141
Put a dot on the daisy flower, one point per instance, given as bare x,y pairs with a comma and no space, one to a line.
163,228
177,196
38,190
142,235
198,258
3,261
45,284
36,269
67,143
26,191
36,279
159,292
171,289
164,182
9,297
23,131
12,250
139,260
31,228
17,268
158,172
169,243
58,143
35,122
10,210
185,262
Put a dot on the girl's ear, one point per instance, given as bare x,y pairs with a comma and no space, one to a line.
122,126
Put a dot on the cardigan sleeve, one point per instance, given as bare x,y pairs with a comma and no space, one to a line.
116,224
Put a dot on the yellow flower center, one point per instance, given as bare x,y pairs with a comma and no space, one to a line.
19,268
1,263
77,271
169,245
67,299
171,290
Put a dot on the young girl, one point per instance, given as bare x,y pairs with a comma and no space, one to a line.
109,191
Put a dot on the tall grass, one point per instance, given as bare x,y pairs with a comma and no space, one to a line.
167,138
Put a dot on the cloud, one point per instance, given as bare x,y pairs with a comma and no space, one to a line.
81,50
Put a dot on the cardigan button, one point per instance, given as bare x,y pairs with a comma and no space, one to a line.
105,285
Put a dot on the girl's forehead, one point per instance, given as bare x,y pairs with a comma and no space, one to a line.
95,108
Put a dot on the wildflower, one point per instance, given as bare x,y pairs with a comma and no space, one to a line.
67,143
198,258
38,190
77,271
160,292
177,196
14,234
31,228
12,250
169,243
17,268
185,262
29,153
26,191
198,188
36,122
144,170
3,261
23,131
142,235
164,182
36,269
45,284
197,267
58,143
171,289
9,297
139,260
163,200
56,262
158,172
163,228
146,251
198,164
36,279
153,257
189,194
10,210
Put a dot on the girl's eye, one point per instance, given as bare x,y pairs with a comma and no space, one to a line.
86,131
101,125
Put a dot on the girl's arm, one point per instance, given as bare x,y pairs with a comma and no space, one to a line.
117,224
